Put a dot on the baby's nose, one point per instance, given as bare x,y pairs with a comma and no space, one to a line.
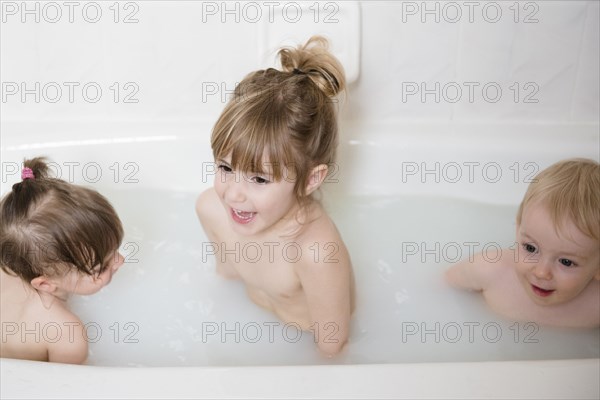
543,270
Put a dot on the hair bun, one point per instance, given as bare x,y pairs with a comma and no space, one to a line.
314,59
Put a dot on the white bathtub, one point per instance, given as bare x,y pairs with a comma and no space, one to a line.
378,166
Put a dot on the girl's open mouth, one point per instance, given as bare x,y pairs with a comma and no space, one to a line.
242,217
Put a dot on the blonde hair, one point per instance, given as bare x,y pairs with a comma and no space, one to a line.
284,118
571,190
48,225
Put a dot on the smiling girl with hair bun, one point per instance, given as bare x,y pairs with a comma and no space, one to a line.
274,144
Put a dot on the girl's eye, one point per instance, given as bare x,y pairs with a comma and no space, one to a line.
566,262
529,248
260,180
225,168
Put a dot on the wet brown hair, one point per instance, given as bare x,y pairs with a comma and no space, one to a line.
284,118
570,189
48,226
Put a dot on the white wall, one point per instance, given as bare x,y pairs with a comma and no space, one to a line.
558,54
177,48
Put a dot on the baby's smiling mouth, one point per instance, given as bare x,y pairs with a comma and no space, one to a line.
541,292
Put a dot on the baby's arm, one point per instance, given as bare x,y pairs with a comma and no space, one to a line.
472,274
327,285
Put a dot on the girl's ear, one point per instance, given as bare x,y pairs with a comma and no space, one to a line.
48,290
44,284
316,178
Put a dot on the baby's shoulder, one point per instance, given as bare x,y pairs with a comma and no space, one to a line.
481,271
499,260
494,265
71,342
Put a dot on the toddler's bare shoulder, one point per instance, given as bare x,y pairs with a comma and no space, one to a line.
207,204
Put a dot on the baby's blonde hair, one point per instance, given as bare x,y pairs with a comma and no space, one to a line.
571,190
285,118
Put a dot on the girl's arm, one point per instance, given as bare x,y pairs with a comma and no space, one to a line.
207,208
326,277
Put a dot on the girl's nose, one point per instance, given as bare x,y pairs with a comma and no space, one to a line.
235,191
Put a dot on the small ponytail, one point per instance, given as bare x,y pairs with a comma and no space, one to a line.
38,166
30,189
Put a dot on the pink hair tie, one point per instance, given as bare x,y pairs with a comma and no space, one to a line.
27,173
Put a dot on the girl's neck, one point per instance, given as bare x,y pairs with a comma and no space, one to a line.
58,297
298,218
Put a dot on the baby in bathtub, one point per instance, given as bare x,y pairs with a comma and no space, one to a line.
553,275
273,146
56,239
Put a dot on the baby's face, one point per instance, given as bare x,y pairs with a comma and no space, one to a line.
554,268
76,282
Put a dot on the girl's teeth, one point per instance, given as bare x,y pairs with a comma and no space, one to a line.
243,214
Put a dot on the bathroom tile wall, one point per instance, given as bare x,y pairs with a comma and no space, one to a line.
491,62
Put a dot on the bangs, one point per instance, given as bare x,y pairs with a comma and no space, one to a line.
255,139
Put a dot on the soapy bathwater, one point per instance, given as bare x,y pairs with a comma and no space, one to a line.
167,307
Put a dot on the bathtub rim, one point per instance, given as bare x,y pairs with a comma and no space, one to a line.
551,379
394,144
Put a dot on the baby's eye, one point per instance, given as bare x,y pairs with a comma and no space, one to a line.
225,168
529,248
260,180
566,262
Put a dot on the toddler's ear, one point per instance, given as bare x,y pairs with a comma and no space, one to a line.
316,178
44,284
